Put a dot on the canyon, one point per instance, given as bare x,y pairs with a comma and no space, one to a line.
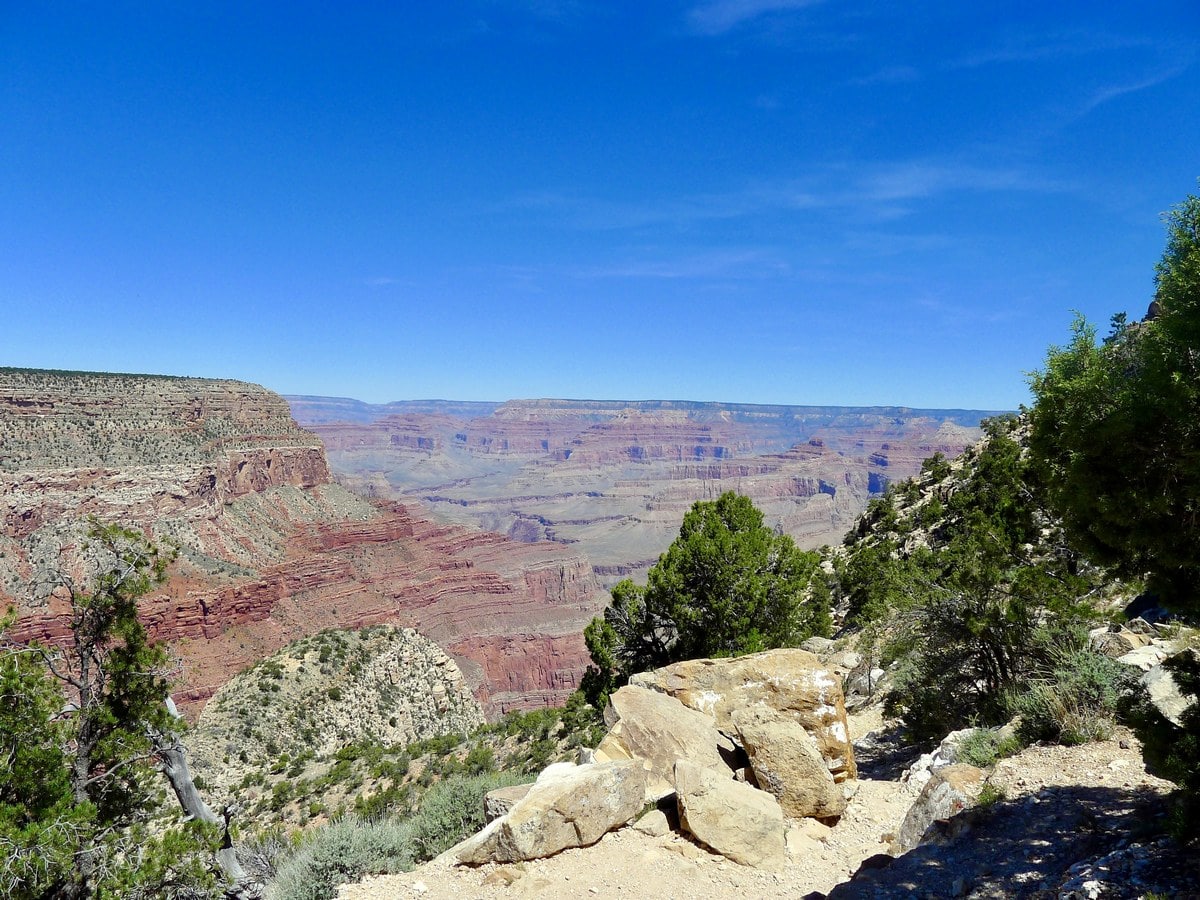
270,549
614,478
491,529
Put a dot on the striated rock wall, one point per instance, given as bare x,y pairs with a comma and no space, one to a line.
270,550
614,479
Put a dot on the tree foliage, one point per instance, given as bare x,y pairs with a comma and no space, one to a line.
1116,426
969,585
77,724
727,585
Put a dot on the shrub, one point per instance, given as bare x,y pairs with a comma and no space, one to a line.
1075,699
990,795
453,809
983,746
342,852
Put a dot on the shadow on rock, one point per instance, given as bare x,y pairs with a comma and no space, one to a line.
1073,842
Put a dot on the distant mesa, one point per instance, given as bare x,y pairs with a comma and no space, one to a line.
613,478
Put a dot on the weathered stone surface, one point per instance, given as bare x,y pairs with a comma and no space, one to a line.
1147,657
568,806
657,729
945,753
739,822
950,790
1116,642
499,802
787,763
792,682
654,823
1163,691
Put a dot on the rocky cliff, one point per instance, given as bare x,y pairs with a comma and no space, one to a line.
614,478
270,549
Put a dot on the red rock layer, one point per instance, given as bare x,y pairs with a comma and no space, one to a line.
272,550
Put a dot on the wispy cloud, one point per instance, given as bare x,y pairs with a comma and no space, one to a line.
1112,92
1037,47
868,193
889,75
718,16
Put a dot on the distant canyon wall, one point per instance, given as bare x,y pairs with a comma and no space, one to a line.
614,478
270,549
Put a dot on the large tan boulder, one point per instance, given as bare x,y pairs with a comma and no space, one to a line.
657,729
787,763
568,806
740,822
792,682
499,801
949,791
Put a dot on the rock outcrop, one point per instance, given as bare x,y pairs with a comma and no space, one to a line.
792,683
270,549
659,731
568,806
690,745
382,685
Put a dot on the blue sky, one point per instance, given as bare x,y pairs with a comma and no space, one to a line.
744,200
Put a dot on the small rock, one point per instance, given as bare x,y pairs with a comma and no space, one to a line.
654,823
503,876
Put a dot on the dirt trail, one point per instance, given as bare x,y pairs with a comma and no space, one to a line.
629,864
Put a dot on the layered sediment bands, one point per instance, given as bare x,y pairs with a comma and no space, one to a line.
614,479
270,549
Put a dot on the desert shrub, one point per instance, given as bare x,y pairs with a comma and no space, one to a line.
480,759
342,852
983,746
263,854
453,809
990,795
1074,699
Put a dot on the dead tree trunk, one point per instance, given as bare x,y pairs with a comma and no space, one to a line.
173,761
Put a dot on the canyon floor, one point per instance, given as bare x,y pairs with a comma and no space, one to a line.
1085,819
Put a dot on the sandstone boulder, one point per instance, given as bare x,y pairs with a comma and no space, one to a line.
792,682
657,729
950,790
1115,642
1163,691
499,802
1147,657
739,822
568,806
787,763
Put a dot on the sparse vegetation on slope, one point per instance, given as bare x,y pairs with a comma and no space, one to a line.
968,586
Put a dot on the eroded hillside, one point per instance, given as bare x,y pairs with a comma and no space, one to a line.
270,549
